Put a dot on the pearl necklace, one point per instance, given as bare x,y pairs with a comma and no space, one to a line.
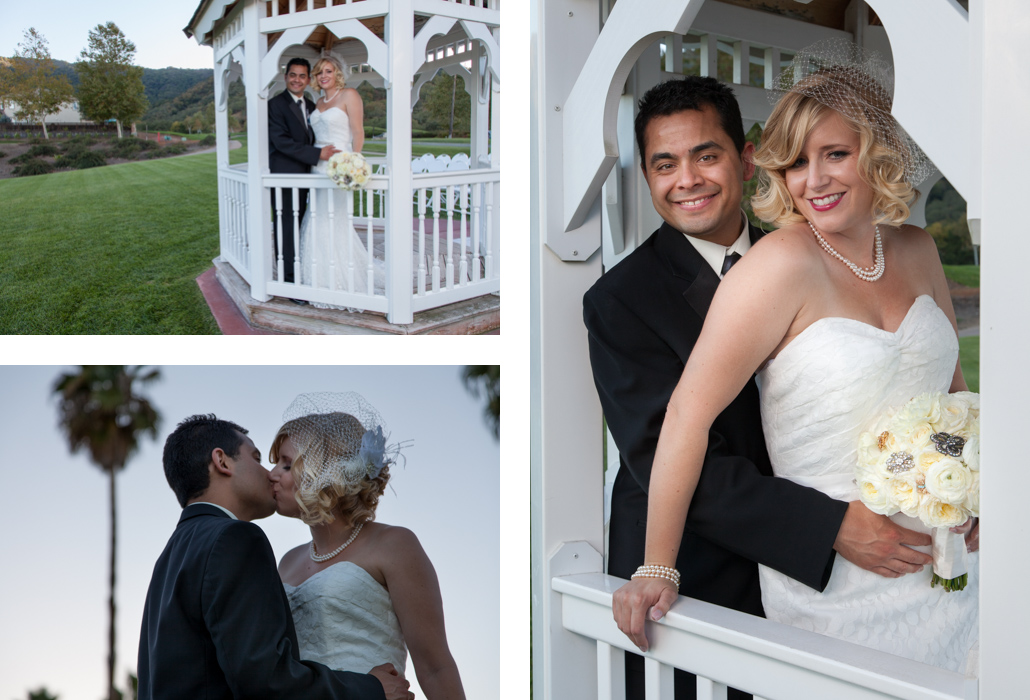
327,99
866,274
315,556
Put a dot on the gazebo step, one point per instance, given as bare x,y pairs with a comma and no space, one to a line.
476,316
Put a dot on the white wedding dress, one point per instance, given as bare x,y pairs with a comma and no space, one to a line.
332,254
824,389
345,620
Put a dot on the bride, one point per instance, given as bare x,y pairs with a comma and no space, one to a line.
844,312
362,593
333,255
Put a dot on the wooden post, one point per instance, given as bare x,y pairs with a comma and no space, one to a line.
259,222
400,27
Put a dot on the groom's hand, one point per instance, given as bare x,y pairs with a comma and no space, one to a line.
876,543
394,685
640,599
328,152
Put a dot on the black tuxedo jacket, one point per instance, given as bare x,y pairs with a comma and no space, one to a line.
290,139
643,318
217,623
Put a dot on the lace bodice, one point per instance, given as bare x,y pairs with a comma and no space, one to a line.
818,395
332,127
345,620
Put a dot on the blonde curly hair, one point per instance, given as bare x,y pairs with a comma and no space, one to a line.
794,117
332,438
338,67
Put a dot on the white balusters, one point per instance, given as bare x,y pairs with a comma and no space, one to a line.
490,231
436,239
450,235
421,194
296,236
477,202
278,214
462,202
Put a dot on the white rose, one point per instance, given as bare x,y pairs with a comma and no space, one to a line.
954,414
948,480
868,448
925,408
972,502
873,492
971,453
918,435
902,492
935,513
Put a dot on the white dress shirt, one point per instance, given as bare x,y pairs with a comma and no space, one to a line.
714,254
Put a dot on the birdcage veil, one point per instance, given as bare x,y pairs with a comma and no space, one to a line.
858,84
341,438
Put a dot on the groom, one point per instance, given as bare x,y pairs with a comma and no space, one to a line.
291,149
643,318
217,622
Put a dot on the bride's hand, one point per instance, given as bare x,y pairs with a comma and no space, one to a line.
642,596
971,529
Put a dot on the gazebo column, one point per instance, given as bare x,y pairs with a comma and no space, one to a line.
480,122
221,117
495,113
400,27
258,209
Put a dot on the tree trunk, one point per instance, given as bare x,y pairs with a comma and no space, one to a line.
45,134
111,692
118,123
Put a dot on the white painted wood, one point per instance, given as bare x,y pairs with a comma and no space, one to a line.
325,15
658,680
483,33
435,26
707,689
495,116
589,144
772,67
259,225
378,56
400,28
709,56
741,62
673,53
611,672
756,655
759,28
917,90
1005,336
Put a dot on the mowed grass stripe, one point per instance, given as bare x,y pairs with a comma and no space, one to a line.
109,250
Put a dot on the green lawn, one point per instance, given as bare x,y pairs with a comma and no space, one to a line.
966,275
109,250
969,355
419,148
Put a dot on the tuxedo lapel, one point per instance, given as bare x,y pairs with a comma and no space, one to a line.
297,112
686,264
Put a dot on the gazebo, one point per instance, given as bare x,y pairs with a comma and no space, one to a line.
955,91
435,233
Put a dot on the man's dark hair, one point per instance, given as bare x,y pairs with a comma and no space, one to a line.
298,61
692,92
187,453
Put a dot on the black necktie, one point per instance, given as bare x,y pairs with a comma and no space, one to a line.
729,262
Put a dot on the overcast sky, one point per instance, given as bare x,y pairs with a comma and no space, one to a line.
155,28
53,590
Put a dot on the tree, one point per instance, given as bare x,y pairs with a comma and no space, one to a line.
101,411
442,102
486,379
110,87
41,694
38,91
6,82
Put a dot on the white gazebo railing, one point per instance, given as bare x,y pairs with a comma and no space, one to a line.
440,251
726,648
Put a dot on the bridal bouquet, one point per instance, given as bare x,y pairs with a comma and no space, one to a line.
923,460
350,171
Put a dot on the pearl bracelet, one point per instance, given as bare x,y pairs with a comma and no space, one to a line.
657,571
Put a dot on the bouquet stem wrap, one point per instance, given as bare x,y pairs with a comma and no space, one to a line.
949,559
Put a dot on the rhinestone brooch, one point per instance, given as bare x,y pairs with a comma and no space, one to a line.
900,462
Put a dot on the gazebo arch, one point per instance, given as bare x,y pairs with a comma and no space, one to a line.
593,60
437,233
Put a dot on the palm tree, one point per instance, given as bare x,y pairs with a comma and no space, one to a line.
99,410
486,379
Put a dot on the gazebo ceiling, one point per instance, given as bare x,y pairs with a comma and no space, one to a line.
321,38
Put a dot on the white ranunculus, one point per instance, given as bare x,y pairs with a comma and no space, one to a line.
948,480
971,453
868,448
937,513
874,494
902,492
918,435
972,502
954,414
925,408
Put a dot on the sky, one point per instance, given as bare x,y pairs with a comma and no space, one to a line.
53,593
155,29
